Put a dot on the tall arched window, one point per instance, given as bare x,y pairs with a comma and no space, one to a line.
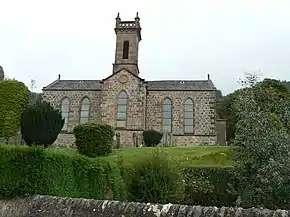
122,109
188,116
65,112
125,49
85,111
167,115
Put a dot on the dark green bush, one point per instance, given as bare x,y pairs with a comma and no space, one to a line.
32,170
94,139
209,186
40,124
154,179
152,137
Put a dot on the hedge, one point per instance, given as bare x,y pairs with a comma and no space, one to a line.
209,186
34,170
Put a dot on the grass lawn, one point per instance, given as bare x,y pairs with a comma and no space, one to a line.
207,156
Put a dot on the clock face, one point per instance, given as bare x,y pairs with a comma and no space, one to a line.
123,79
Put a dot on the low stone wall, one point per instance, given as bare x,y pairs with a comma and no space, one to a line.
47,206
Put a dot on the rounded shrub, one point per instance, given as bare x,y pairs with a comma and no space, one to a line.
94,139
152,137
155,179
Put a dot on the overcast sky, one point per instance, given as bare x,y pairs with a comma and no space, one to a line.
184,39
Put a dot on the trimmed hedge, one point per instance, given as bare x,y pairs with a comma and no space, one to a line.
35,170
94,139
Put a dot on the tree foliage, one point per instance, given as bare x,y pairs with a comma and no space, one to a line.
14,98
269,94
264,154
40,124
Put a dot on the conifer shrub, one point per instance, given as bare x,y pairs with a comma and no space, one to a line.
152,137
94,139
40,124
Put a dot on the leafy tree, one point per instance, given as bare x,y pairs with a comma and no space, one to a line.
268,95
264,153
14,98
40,124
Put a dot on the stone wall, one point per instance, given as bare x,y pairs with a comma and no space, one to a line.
46,206
221,126
204,104
75,99
136,93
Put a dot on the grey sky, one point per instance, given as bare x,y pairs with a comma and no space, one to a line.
185,39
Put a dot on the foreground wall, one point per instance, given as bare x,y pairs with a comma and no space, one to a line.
46,206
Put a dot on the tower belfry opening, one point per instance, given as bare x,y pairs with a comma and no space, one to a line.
128,36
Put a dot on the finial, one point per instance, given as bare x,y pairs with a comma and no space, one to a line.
208,77
118,16
137,16
58,76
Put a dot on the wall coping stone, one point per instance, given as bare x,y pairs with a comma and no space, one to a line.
50,206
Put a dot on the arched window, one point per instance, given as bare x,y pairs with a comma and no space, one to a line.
188,116
125,49
65,112
85,111
122,109
167,115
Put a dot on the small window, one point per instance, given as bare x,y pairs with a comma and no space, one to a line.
167,115
65,112
122,109
85,111
188,116
125,49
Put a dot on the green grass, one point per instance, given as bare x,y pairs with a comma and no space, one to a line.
201,156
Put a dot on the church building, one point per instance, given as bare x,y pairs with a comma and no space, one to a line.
185,110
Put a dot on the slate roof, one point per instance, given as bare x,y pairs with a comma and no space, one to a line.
151,85
181,85
74,85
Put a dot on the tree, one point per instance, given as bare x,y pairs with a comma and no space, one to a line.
264,150
14,98
40,124
268,94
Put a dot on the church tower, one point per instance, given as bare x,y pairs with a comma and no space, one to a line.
128,36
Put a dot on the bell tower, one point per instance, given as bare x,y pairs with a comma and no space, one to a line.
128,36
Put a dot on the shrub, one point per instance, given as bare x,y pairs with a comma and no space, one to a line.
209,186
40,124
152,137
154,179
94,139
59,172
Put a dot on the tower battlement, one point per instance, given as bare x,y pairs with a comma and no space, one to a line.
128,26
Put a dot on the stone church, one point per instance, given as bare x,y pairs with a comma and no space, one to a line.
183,109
